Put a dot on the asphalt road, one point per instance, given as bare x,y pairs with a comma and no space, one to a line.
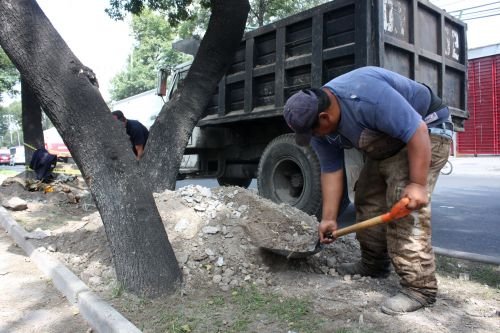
465,214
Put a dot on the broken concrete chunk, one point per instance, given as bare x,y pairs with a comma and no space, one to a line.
210,230
37,234
16,204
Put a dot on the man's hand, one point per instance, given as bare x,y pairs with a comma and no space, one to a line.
325,230
417,194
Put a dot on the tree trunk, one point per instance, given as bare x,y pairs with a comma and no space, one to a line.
143,257
31,121
171,131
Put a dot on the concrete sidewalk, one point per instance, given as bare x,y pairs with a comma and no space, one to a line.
29,302
98,314
482,165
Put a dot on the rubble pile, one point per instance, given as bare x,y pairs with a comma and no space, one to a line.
217,236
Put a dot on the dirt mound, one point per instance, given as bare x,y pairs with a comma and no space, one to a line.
216,235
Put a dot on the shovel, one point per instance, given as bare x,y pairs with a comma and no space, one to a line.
397,211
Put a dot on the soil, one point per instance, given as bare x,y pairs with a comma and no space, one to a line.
220,237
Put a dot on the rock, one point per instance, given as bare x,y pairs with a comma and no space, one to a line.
331,261
182,258
217,278
37,234
187,228
52,247
95,280
210,230
200,208
228,272
204,191
76,260
220,261
16,204
72,198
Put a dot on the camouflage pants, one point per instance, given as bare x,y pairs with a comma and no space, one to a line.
405,242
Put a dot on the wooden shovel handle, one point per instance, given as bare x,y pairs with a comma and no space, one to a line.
398,211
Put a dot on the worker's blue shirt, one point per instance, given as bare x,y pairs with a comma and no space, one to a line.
375,105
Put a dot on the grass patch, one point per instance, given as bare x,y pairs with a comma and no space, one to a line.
242,310
352,330
117,290
8,173
479,272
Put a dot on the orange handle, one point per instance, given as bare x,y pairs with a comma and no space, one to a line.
398,211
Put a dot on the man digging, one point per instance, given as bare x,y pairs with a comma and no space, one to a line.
404,130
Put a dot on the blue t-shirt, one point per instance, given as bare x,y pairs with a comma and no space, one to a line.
375,104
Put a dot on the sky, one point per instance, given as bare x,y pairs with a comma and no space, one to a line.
98,41
482,31
104,44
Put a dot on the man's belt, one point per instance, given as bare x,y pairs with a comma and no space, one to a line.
445,130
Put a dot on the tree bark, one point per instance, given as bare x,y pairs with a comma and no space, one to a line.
174,124
31,121
143,257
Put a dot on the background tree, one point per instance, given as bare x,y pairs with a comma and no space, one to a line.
121,186
9,75
10,125
152,51
266,11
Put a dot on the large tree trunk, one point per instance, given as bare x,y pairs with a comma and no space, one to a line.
143,257
31,121
172,129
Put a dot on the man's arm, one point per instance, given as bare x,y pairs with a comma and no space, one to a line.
419,161
140,151
332,187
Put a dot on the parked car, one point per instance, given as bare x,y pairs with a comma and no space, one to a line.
5,157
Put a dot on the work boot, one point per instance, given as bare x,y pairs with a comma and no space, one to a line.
362,269
400,304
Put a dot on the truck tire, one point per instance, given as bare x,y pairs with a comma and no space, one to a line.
291,174
241,182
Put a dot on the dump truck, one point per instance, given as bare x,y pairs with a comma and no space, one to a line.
243,134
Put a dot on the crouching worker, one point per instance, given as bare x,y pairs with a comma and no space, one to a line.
404,130
137,132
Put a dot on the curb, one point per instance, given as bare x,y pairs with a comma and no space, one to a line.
467,256
99,315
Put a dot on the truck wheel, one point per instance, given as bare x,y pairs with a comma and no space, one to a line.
291,174
241,182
